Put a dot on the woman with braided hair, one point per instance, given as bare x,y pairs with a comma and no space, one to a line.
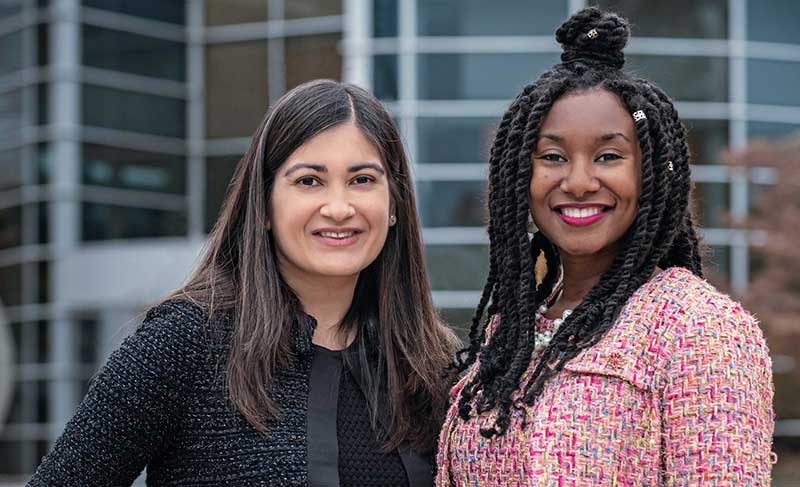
619,365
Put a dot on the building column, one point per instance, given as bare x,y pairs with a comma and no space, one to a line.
64,115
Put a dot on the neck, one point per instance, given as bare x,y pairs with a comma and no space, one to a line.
327,300
581,274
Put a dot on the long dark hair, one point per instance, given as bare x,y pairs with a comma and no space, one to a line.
239,274
662,234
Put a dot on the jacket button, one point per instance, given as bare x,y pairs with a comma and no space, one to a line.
615,361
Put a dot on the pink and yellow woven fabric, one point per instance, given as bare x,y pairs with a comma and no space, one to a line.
677,393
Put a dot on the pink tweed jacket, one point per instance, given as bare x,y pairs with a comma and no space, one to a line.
677,393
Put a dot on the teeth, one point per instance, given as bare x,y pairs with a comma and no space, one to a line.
337,234
580,212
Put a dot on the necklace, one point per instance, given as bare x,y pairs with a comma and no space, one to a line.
542,338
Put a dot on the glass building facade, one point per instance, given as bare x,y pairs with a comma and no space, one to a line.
121,122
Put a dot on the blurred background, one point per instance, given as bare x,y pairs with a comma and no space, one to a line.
121,122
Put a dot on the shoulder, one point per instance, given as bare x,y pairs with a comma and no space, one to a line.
178,325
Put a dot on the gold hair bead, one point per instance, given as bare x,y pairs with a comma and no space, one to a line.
639,115
592,34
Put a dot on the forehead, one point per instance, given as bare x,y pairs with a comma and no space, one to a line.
588,113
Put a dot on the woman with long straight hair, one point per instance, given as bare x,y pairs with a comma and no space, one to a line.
305,349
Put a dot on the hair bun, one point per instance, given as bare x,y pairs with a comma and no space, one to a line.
594,35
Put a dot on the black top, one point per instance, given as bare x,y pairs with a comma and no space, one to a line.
161,402
342,447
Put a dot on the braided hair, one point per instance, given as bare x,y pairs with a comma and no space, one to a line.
662,234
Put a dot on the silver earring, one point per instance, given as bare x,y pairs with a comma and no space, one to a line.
392,220
532,228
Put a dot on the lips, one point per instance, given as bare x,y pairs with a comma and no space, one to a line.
337,237
583,214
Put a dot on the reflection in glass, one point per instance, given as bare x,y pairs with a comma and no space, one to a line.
773,20
707,140
236,88
10,112
173,11
219,171
710,204
771,130
475,76
132,53
298,9
222,12
10,285
123,168
499,17
10,227
10,174
706,19
773,82
690,78
311,57
452,203
459,140
384,18
384,76
457,267
10,53
104,222
135,112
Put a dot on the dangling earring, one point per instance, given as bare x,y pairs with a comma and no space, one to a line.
532,228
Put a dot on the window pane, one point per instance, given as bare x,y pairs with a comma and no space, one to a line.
459,140
165,10
11,285
10,7
10,53
103,222
221,12
499,17
711,204
10,113
459,319
384,76
42,44
312,57
135,112
312,8
707,140
708,75
771,130
717,260
10,174
773,82
384,18
131,53
475,76
773,20
219,171
236,88
10,227
457,267
122,168
706,19
452,203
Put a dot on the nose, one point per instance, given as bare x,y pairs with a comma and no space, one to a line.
580,179
338,207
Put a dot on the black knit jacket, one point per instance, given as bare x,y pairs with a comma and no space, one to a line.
161,402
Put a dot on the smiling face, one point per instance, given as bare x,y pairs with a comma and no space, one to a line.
586,173
330,207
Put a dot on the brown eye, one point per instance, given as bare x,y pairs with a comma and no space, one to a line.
363,180
307,181
608,157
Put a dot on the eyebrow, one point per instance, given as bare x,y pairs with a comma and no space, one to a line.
613,135
321,167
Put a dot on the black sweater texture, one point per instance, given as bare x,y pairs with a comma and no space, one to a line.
161,402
